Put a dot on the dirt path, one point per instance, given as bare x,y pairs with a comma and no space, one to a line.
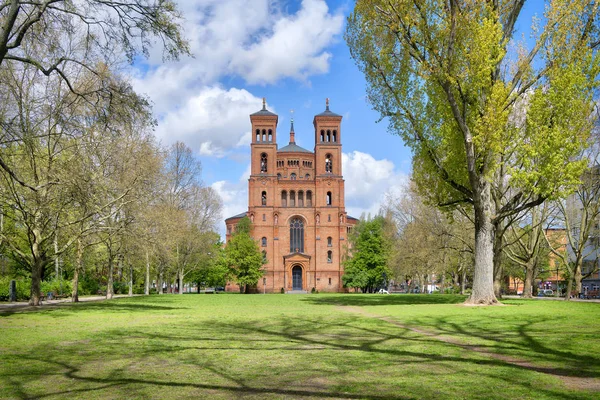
572,382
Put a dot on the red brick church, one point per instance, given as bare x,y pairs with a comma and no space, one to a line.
296,205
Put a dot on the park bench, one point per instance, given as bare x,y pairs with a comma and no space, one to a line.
592,294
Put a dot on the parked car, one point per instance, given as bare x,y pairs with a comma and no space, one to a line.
545,292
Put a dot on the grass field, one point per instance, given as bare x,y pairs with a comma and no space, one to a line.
302,346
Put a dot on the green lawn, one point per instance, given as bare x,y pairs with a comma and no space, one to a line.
302,346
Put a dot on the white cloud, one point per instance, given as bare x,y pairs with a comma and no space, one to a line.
367,182
235,199
253,39
212,121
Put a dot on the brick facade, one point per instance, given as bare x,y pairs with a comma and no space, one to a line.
294,186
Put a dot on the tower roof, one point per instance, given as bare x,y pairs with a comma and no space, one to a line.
293,148
264,110
327,112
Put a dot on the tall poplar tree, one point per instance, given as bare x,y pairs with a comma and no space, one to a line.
491,123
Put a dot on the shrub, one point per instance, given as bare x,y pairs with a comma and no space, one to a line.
62,286
23,288
282,291
88,285
120,287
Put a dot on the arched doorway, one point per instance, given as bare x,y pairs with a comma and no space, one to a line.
297,277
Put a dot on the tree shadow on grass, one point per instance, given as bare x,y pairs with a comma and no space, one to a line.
111,306
353,346
360,299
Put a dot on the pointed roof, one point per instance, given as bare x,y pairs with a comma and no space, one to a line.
264,110
327,112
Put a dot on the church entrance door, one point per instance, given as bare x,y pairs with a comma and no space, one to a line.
297,278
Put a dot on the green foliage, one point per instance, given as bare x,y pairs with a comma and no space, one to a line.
88,285
242,256
62,286
367,267
23,288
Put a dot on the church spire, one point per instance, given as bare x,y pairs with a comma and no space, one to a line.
292,133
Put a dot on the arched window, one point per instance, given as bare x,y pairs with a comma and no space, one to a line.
263,162
300,198
284,199
328,163
309,199
335,136
328,198
292,198
264,242
258,135
297,235
278,176
271,135
307,177
329,241
264,254
264,135
329,256
328,135
293,176
322,135
263,198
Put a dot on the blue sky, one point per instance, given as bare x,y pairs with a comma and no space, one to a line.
292,53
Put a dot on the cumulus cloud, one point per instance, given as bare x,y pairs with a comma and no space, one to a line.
253,39
367,182
212,121
235,199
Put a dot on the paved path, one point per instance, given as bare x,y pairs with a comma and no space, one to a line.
24,306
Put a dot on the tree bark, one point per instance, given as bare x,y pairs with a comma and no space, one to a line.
483,277
577,278
37,268
498,267
147,284
110,291
527,285
569,288
130,281
78,262
159,285
181,281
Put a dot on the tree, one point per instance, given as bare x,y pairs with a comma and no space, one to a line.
528,247
243,256
367,266
447,80
578,216
61,38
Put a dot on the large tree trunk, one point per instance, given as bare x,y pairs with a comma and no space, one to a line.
110,291
36,281
78,262
147,284
527,286
483,277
